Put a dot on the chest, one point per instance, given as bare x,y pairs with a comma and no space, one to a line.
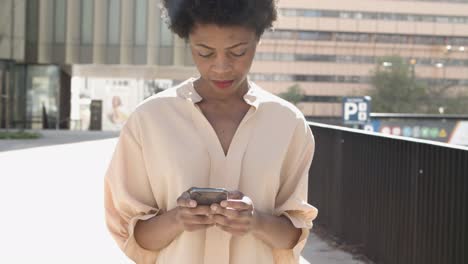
224,122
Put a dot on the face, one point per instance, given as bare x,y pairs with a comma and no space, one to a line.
116,101
223,56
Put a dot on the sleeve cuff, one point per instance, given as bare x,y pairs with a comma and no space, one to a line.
131,247
305,225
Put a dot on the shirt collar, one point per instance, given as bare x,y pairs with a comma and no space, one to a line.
187,91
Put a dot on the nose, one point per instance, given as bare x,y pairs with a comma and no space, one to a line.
221,64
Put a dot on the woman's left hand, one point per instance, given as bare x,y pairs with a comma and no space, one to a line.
235,215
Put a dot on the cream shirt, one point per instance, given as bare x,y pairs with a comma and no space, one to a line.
168,146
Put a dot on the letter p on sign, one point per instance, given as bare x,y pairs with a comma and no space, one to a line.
350,109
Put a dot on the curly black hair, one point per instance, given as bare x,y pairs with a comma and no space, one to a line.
182,15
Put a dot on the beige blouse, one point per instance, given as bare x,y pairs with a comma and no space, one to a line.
168,146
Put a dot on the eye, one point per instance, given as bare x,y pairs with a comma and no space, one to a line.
205,55
238,54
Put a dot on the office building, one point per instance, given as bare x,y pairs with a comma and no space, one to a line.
57,56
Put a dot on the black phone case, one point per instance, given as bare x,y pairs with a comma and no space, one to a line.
207,197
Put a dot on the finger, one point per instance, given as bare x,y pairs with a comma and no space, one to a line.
228,212
241,217
225,221
197,220
236,195
200,210
185,201
246,214
237,204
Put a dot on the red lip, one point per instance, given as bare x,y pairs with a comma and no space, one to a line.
223,84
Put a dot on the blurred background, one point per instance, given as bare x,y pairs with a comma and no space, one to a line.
64,62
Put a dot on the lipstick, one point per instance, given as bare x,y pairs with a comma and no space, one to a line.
223,84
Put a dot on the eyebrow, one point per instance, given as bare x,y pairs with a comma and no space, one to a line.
231,47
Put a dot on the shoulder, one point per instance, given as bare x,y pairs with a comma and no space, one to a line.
162,108
165,100
277,106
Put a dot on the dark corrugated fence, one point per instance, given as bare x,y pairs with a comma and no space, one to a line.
401,201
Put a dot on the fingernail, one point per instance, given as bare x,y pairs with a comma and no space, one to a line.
192,204
223,203
214,207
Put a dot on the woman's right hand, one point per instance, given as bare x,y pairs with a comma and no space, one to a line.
190,216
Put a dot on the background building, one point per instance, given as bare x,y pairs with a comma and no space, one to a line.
330,47
56,56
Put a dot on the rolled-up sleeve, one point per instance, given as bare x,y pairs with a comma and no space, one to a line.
291,200
128,195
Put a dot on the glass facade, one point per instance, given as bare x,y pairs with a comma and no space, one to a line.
366,37
6,92
166,45
30,95
31,31
140,32
42,96
113,30
292,12
141,7
60,21
87,18
270,56
341,79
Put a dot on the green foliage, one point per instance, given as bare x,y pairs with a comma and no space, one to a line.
294,94
19,135
397,90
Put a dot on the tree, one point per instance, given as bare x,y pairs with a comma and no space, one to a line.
397,90
395,87
294,94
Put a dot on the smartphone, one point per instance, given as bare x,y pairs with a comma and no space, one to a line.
208,196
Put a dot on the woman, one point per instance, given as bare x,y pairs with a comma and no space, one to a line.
217,130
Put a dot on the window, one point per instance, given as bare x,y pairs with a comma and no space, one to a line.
369,15
166,49
264,56
442,19
285,57
141,7
113,37
166,36
87,17
358,15
459,41
428,18
322,99
329,13
424,40
346,14
60,22
289,12
307,35
311,13
353,37
412,17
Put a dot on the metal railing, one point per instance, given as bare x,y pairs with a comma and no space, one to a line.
399,200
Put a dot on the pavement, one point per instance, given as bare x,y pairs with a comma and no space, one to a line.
55,137
51,196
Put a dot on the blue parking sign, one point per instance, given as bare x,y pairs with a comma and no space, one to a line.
356,110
